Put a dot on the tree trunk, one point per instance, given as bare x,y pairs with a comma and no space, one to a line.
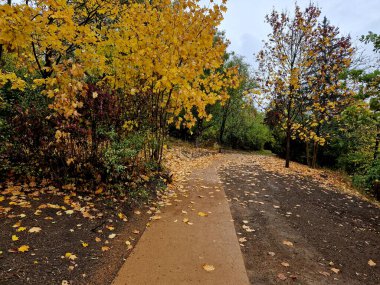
308,154
288,137
224,120
315,155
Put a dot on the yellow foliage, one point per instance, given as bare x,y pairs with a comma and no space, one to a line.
158,51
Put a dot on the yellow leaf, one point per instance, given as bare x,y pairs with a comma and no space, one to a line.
208,267
69,212
105,248
129,245
202,214
99,190
23,248
14,237
2,198
155,217
21,229
84,244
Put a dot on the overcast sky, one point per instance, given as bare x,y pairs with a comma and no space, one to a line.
245,27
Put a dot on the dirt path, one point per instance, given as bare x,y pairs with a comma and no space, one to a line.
302,232
177,246
291,229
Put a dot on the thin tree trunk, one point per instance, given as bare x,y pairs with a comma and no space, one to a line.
224,120
315,155
288,137
308,154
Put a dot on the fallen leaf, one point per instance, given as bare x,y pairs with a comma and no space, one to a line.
98,239
69,212
202,214
288,243
122,216
271,253
136,232
70,256
371,263
281,276
84,244
185,220
112,236
208,267
21,229
23,248
111,228
285,264
14,237
247,229
35,230
105,248
129,245
99,190
243,239
335,270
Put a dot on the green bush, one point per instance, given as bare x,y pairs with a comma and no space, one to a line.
120,158
246,130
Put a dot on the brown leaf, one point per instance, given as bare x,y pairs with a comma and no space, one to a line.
281,276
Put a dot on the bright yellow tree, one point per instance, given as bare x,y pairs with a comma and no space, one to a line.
160,58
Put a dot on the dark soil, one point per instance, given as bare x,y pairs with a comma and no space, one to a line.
328,229
61,233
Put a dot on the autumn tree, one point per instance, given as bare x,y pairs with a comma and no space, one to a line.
108,71
302,62
328,95
285,63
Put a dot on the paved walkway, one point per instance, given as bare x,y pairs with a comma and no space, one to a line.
174,252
